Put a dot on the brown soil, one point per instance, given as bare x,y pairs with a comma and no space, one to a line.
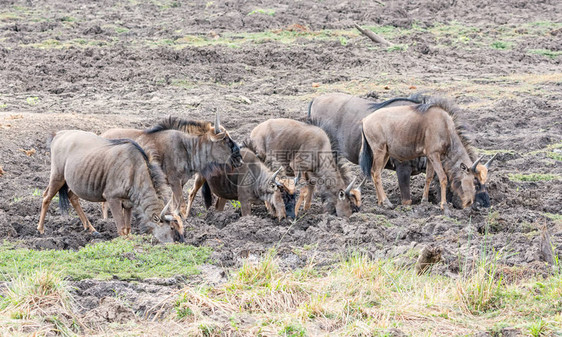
132,79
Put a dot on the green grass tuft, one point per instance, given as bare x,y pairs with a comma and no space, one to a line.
533,177
124,258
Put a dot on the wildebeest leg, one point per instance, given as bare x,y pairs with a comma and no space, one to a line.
127,220
117,210
302,195
104,213
179,201
429,173
219,206
75,202
380,157
199,181
436,163
308,195
246,208
269,208
404,171
50,192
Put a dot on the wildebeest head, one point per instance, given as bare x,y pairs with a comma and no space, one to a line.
349,200
472,185
167,227
223,146
482,198
288,189
354,195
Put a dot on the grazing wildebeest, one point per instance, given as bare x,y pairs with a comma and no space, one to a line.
117,171
340,115
431,129
250,182
183,148
304,148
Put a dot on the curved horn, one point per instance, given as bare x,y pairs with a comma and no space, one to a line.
163,213
275,174
473,168
217,123
297,178
361,183
348,189
487,165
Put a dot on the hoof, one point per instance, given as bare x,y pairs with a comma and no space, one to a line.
388,204
96,234
447,212
406,202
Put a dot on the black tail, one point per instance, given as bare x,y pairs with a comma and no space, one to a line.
366,156
207,195
64,200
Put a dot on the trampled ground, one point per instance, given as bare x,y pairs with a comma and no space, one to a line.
97,65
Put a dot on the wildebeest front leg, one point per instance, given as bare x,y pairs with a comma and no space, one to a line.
429,173
179,201
75,202
246,208
380,157
104,214
436,163
117,210
219,206
403,172
199,181
50,192
127,220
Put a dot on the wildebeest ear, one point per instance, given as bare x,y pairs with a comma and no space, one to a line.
341,195
464,167
219,136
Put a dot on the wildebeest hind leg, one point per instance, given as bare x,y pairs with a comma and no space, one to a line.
50,192
116,208
380,157
403,172
429,173
219,206
75,202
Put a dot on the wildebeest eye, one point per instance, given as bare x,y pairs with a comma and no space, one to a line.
155,218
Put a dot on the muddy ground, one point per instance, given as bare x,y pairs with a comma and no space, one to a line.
97,65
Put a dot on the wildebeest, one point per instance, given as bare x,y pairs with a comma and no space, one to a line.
340,115
304,148
183,148
250,182
117,171
407,132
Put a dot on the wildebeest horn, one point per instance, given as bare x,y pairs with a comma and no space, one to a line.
361,183
473,168
487,165
163,213
348,189
217,123
297,178
275,174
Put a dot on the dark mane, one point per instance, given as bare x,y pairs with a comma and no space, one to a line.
248,144
156,174
455,112
188,126
412,98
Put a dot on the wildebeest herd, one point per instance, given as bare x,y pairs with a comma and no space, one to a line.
130,169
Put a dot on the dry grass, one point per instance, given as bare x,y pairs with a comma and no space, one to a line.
38,303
